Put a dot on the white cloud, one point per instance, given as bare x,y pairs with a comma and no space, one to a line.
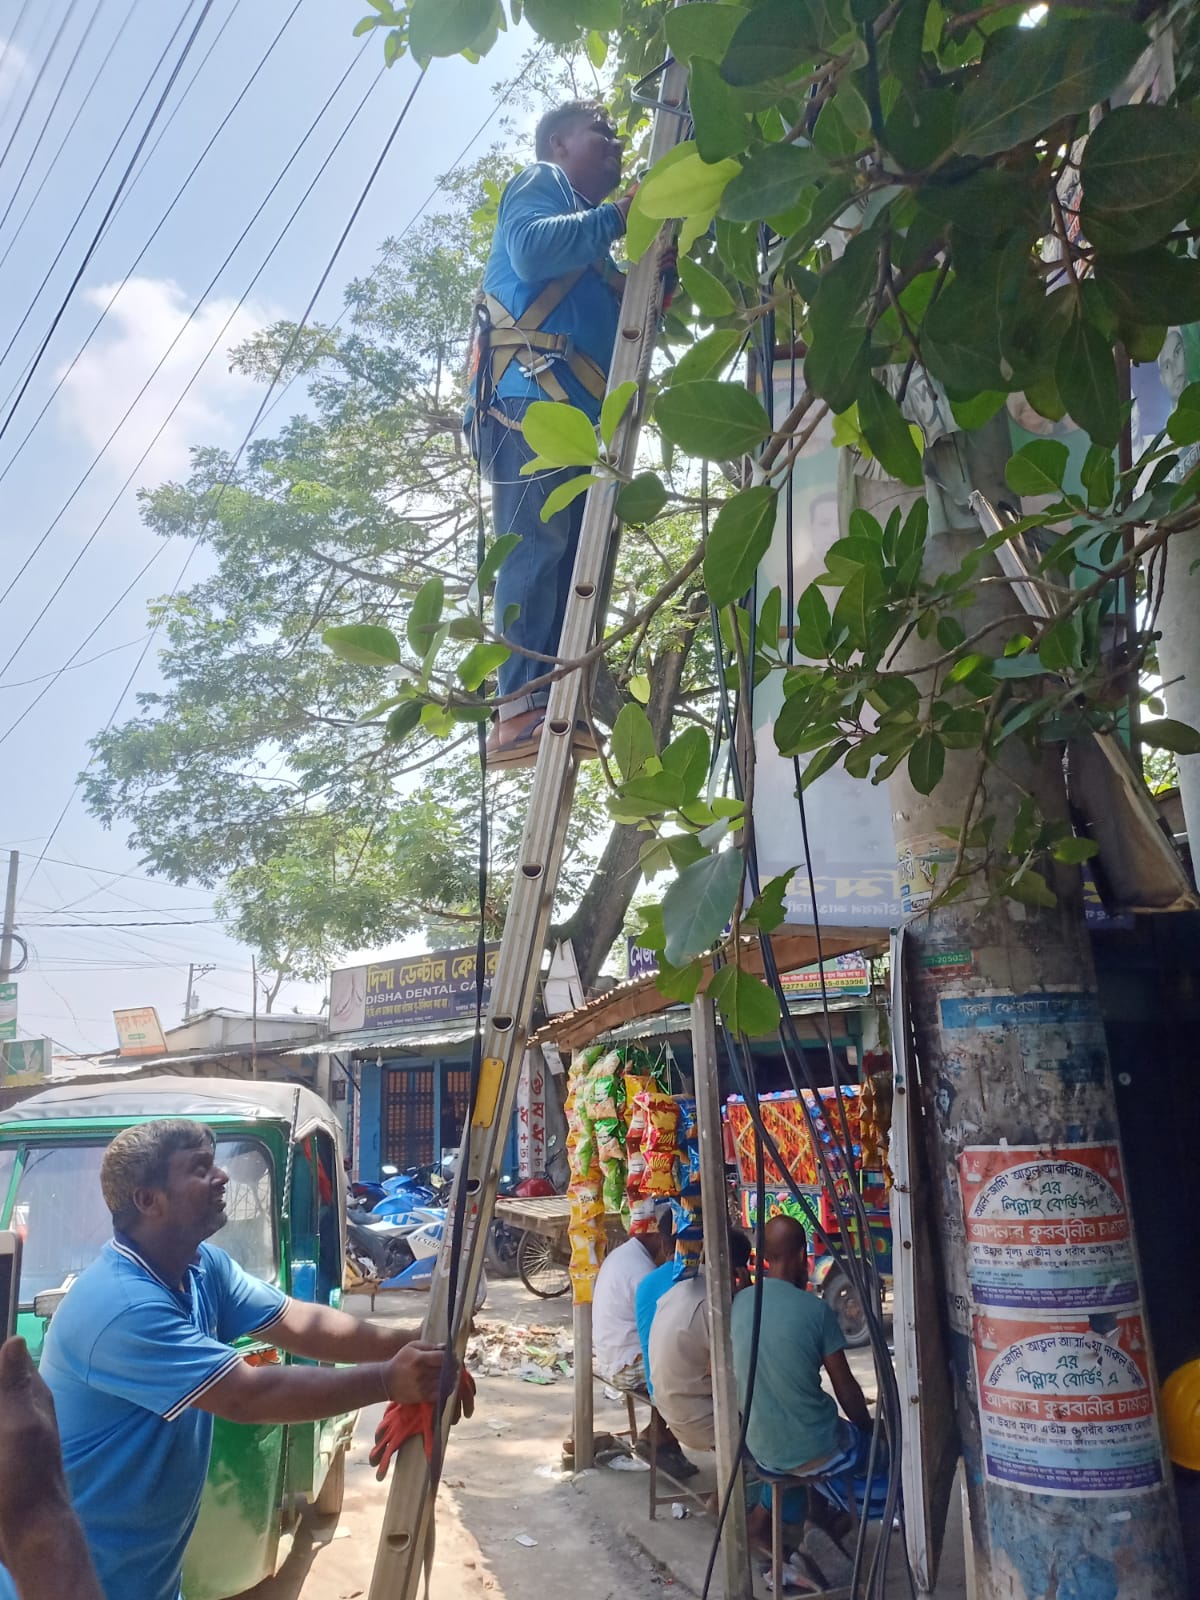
14,65
146,316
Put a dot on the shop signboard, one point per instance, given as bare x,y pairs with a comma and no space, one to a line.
844,976
139,1032
438,986
8,1011
24,1062
853,853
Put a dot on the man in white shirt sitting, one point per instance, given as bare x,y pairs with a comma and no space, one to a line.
681,1352
616,1348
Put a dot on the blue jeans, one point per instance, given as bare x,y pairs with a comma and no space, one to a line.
536,575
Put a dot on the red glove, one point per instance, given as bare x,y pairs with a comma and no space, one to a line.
401,1422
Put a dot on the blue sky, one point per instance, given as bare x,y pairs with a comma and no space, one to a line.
76,977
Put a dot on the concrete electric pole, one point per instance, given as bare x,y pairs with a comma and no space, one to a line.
1053,1370
10,916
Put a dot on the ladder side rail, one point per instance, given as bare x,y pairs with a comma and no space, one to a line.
407,1517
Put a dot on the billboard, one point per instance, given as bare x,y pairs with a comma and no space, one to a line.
139,1032
438,986
854,864
24,1062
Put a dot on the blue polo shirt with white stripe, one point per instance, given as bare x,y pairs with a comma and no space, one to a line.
126,1358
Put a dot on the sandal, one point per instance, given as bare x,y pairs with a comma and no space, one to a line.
522,752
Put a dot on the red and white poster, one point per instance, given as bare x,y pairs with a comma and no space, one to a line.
1066,1404
1047,1229
531,1116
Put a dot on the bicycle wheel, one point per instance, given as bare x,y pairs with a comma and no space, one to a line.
541,1266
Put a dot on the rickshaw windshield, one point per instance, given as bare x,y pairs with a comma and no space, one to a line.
61,1213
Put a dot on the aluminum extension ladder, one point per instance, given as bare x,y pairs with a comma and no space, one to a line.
407,1519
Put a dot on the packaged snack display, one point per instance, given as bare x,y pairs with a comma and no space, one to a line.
660,1179
689,1236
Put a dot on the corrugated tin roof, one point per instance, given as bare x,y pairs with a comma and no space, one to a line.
392,1041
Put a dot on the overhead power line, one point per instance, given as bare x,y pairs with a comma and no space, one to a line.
216,340
60,33
180,191
248,435
169,922
89,252
93,83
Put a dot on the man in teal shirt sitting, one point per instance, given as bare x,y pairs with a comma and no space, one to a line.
794,1425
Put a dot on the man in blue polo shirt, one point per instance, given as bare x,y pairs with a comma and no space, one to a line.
553,301
138,1359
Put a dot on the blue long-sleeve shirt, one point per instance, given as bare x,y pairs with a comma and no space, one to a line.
545,230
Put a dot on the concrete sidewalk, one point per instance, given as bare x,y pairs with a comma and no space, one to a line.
511,1525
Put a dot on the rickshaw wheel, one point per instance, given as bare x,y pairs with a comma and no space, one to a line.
542,1269
843,1300
333,1491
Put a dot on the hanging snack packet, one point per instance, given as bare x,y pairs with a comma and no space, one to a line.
660,1181
689,1236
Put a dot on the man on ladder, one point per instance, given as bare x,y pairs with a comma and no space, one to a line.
546,322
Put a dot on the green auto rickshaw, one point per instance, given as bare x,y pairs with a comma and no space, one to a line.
286,1206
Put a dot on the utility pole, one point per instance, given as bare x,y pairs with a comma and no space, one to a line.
10,916
1052,1368
195,970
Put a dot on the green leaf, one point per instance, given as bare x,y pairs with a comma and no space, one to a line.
663,790
1086,375
822,761
364,644
614,408
1038,468
403,721
393,48
709,356
1075,851
500,549
813,624
701,30
772,181
562,21
1183,425
425,616
699,903
641,501
561,434
1061,646
1165,733
777,37
679,983
688,756
768,911
1099,475
888,435
836,364
959,341
1140,174
1031,889
686,186
479,664
1032,77
639,688
722,126
857,605
364,25
1150,286
709,295
973,413
744,1001
641,229
717,421
446,27
632,741
740,537
926,763
597,49
562,494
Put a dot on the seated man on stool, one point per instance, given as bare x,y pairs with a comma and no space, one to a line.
616,1349
794,1426
680,1366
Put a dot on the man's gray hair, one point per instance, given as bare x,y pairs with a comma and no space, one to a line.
138,1158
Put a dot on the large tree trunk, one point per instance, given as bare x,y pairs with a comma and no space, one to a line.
596,923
